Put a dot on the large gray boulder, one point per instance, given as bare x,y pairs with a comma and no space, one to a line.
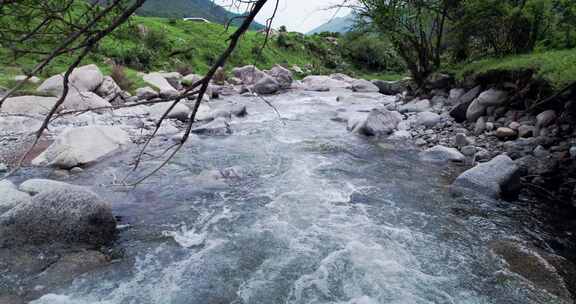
84,101
500,176
462,104
378,122
364,86
391,87
30,105
475,111
64,215
418,105
180,111
159,82
321,81
492,97
441,154
427,119
266,85
282,75
146,93
10,197
82,146
108,89
83,79
38,185
248,74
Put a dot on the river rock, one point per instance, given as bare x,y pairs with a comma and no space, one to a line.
39,185
84,101
573,152
146,93
10,197
180,111
544,120
427,119
81,146
68,215
190,79
248,74
504,133
442,154
514,125
30,105
438,81
463,103
462,140
108,89
480,125
455,94
66,269
282,75
32,80
492,97
416,106
542,269
475,111
378,122
364,86
390,87
525,131
400,135
83,79
218,127
500,176
321,81
158,81
3,168
266,85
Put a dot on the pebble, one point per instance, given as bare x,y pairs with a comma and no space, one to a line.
573,152
468,150
541,152
462,140
505,133
420,142
76,170
3,168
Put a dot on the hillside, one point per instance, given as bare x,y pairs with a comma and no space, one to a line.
151,44
206,9
335,25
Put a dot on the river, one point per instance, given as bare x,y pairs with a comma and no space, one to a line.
312,214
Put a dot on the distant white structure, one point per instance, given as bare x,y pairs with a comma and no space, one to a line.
193,19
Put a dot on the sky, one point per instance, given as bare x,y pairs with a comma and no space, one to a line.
297,15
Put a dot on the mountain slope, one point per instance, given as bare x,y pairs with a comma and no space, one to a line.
336,25
206,9
189,8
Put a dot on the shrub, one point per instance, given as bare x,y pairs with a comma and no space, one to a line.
119,75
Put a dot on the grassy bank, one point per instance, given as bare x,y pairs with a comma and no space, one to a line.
152,44
557,67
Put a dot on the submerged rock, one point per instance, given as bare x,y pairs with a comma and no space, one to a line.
546,271
81,146
442,154
500,176
218,127
180,111
378,122
63,215
38,185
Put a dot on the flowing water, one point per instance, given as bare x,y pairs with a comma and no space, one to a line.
317,215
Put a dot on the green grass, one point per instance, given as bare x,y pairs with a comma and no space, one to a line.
176,44
557,67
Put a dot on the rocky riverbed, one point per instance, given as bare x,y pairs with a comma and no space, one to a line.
344,161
